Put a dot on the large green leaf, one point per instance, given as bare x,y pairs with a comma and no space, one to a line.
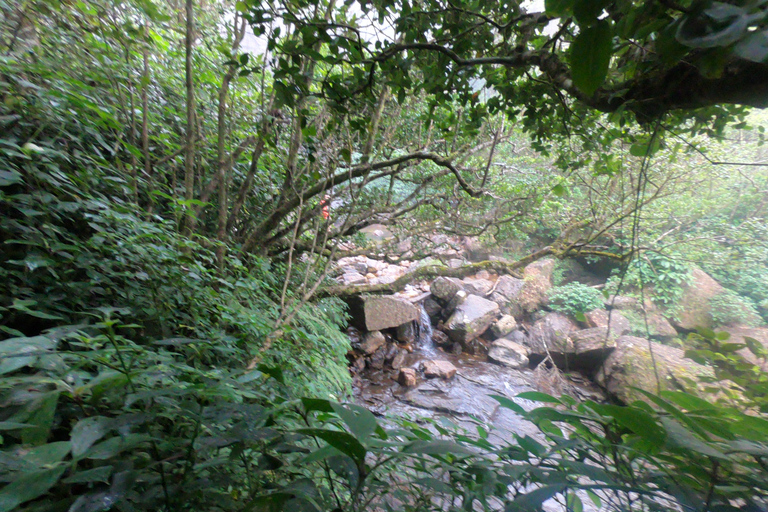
342,441
590,56
437,447
86,432
29,487
361,422
636,420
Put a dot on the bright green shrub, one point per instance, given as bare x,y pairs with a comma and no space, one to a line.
575,298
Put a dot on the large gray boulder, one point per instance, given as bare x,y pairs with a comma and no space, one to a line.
632,366
444,288
506,295
383,312
590,347
503,326
693,310
471,318
538,281
372,341
600,318
477,286
550,335
508,353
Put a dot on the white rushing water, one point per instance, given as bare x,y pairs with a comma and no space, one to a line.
425,331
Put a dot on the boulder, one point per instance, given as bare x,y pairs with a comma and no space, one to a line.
353,278
693,308
477,286
471,318
590,347
475,250
406,332
432,308
440,339
621,302
455,263
383,312
407,377
631,366
600,317
660,327
483,274
508,353
503,326
372,341
551,334
444,288
475,347
457,299
438,369
399,360
538,281
506,294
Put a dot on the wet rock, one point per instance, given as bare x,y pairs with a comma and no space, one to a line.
475,347
506,294
508,353
590,348
475,250
440,339
693,309
471,318
483,274
432,308
621,302
385,312
457,299
438,369
518,337
455,263
372,341
377,360
477,286
660,327
444,288
407,377
456,349
538,281
353,278
631,366
399,360
503,326
358,364
600,317
406,333
550,334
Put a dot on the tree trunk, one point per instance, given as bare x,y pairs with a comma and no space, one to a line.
189,157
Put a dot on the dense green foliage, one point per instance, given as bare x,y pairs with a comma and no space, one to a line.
162,244
575,299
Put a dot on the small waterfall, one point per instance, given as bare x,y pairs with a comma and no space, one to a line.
425,331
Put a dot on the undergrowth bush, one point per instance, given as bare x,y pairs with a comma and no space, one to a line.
575,298
662,277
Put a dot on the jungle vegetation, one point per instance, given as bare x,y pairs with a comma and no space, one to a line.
171,339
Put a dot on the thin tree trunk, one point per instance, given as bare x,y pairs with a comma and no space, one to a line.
189,157
145,122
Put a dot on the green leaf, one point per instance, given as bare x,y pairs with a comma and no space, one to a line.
342,441
636,420
536,396
100,474
755,347
719,25
44,409
361,422
559,190
558,8
29,487
590,56
680,437
86,432
531,501
587,11
316,404
8,178
754,47
508,404
47,454
687,401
